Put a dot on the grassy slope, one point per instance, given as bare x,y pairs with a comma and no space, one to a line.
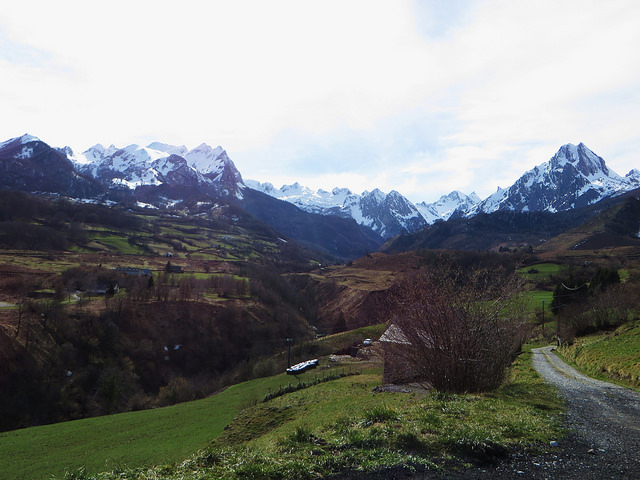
130,439
611,356
342,421
147,437
342,425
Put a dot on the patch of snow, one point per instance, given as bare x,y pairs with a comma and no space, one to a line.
27,152
24,139
146,205
206,159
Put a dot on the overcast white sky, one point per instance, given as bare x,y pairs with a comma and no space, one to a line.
422,97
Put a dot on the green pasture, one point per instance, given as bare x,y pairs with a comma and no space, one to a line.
133,439
118,243
540,271
534,298
342,425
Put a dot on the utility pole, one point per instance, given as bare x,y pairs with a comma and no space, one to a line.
289,342
543,317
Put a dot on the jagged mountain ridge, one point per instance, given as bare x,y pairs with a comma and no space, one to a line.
574,177
447,205
203,168
386,214
162,175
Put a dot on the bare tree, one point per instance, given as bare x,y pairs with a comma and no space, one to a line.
457,331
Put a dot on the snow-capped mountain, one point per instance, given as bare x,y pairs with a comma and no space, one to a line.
320,201
574,177
162,174
386,214
159,164
28,164
447,205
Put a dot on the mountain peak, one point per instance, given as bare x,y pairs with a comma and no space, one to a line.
170,149
22,140
206,159
582,158
376,193
574,177
26,138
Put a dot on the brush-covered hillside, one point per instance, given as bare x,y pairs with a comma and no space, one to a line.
106,309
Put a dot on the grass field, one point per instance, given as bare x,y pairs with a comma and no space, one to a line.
134,439
540,272
117,243
369,430
341,425
611,356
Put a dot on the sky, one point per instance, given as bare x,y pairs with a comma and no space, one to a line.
422,97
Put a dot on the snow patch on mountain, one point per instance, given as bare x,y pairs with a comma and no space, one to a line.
447,205
23,140
386,214
158,164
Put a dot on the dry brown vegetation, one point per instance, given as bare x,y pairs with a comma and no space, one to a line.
456,330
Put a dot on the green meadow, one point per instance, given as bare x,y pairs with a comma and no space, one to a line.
133,439
332,427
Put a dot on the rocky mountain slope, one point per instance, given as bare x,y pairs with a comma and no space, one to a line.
386,214
205,169
574,177
28,164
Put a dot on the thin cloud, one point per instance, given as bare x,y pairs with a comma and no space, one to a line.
421,97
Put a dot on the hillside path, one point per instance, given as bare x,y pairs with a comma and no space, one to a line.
604,416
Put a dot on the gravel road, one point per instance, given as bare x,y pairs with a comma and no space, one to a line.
604,442
604,420
605,423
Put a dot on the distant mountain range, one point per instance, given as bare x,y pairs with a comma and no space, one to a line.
386,214
163,176
574,177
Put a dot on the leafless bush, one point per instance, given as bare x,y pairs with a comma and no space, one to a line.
458,331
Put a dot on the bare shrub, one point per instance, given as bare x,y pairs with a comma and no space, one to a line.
458,331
